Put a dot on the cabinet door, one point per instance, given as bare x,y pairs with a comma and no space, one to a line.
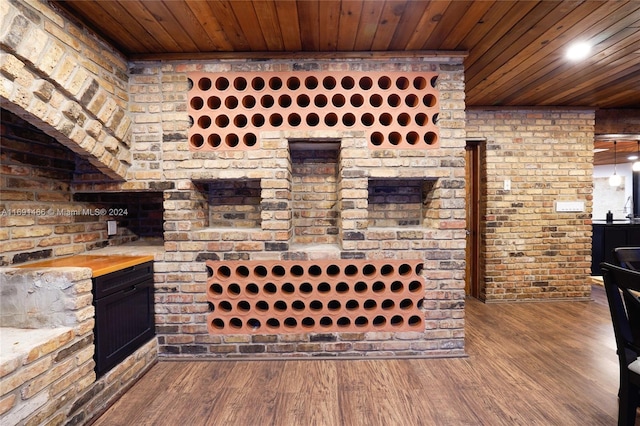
597,249
615,236
124,322
633,237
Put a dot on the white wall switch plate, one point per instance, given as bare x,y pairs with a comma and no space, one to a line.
112,228
569,206
507,184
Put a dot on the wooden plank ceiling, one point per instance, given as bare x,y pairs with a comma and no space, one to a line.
605,153
514,49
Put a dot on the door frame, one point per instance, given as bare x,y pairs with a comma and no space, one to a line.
474,174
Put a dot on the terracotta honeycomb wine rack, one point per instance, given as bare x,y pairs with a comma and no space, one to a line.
254,297
396,110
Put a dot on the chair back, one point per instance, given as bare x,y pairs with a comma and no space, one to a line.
620,285
628,257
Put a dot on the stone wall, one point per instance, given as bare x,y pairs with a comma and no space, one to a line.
47,357
531,251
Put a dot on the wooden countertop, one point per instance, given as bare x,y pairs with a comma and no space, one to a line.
99,264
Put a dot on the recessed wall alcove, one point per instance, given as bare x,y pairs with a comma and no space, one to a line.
314,192
400,203
234,203
230,203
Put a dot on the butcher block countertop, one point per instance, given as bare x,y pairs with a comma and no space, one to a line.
99,264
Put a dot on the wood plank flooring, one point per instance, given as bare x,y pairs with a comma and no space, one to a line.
529,364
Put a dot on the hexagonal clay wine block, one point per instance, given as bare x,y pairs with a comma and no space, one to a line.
395,109
267,297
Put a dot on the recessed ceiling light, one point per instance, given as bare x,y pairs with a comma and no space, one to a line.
632,157
597,150
578,51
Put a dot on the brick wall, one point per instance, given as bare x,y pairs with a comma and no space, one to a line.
47,370
133,121
40,215
398,203
321,201
66,82
314,205
532,252
377,200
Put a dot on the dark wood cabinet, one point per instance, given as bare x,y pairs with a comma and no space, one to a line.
124,314
606,237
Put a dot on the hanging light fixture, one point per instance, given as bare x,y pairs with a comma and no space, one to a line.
615,179
636,164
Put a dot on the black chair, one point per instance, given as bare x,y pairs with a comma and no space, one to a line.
628,257
619,283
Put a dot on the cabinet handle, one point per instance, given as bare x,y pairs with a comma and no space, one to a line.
128,292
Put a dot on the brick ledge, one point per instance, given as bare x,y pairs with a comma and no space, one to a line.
20,346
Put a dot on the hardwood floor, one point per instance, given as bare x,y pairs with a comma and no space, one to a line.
529,364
